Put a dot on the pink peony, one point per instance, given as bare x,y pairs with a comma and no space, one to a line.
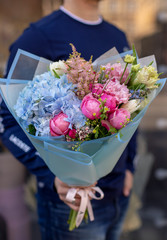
119,91
88,96
90,107
119,118
115,71
58,126
72,133
110,101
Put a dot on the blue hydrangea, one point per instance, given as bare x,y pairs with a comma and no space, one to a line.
46,96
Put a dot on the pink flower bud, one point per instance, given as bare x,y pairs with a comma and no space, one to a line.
59,126
119,118
90,107
72,133
110,101
106,124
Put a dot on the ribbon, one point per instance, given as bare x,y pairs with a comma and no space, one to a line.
84,193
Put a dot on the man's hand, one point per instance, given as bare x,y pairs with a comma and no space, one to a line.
128,183
62,189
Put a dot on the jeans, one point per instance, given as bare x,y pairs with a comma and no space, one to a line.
109,216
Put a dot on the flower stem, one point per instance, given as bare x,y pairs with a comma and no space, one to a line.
123,72
72,219
127,78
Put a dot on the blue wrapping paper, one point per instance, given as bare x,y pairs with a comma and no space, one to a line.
96,158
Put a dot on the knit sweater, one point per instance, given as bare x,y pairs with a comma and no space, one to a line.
50,38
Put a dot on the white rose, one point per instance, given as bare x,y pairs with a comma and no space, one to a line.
132,105
58,67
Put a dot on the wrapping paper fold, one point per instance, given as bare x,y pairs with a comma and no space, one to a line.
97,157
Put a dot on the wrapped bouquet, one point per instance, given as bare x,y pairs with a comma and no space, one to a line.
78,112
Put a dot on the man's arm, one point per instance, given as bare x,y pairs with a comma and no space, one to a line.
13,137
132,149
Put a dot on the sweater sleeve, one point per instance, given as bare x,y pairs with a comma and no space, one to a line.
12,136
132,149
32,40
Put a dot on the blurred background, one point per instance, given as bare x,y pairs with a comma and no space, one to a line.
145,23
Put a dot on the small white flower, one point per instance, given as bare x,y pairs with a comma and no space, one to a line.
58,67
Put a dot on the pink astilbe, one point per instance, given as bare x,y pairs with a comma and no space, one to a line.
97,90
81,72
119,91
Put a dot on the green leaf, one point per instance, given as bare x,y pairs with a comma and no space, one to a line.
123,72
55,73
132,78
97,133
120,134
142,86
160,74
113,130
134,55
31,129
134,114
151,63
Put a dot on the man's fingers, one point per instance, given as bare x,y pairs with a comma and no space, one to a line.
126,191
128,183
74,205
62,190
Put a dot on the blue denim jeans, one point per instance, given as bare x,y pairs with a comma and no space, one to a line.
109,216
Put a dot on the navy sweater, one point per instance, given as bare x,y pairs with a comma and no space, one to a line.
50,38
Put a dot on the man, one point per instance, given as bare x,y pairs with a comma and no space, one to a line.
77,22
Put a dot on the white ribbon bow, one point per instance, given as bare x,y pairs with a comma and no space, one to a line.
84,193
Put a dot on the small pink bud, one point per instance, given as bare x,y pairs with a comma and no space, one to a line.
106,124
72,133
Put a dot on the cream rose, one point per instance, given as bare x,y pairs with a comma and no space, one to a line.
132,105
58,68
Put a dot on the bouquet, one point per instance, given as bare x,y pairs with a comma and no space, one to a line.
77,112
